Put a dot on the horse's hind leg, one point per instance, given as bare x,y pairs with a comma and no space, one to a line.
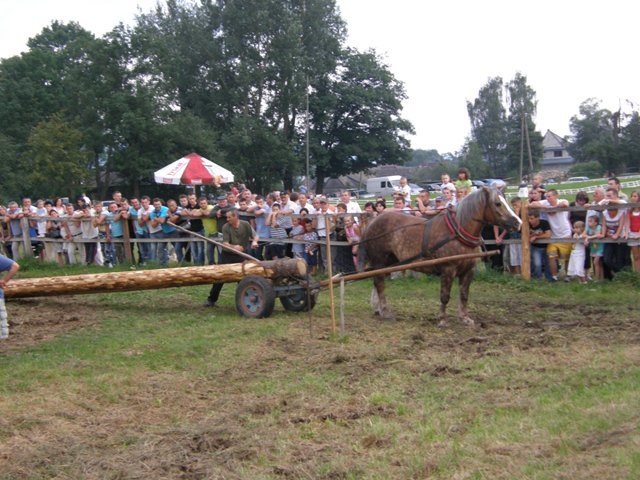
463,312
378,300
446,280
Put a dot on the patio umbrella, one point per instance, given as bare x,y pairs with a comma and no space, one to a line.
193,169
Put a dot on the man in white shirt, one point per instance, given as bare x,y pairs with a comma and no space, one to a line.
352,205
303,203
560,228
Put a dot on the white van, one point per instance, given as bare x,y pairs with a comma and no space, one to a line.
383,186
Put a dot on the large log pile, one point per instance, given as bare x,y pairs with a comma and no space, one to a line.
151,279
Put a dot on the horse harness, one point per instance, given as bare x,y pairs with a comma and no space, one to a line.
456,232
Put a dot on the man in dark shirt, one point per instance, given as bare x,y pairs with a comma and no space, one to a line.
538,229
237,235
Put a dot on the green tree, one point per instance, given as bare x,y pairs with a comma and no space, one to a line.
55,161
630,141
356,118
488,124
593,136
471,157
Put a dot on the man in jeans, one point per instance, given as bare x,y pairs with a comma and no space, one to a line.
539,229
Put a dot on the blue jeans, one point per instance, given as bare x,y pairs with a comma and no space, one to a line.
161,248
538,258
181,247
197,250
211,248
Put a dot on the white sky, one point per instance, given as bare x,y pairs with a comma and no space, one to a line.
444,51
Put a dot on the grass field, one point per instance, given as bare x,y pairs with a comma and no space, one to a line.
151,385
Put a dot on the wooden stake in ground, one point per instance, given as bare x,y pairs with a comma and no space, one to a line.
327,226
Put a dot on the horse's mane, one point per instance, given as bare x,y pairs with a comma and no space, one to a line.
470,205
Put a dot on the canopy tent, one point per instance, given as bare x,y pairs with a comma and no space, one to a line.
193,169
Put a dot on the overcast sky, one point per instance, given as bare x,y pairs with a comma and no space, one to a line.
444,52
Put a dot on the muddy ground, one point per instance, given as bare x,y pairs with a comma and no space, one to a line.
232,432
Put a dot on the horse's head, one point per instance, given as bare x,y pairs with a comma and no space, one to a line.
497,210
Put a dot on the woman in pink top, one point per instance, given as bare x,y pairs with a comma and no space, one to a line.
633,230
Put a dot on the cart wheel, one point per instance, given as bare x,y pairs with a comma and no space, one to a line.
299,302
255,297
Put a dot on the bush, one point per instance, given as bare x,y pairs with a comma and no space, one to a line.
592,169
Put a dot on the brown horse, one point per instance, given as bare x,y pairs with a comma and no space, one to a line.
395,238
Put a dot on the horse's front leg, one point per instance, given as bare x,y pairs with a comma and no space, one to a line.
465,283
379,301
446,280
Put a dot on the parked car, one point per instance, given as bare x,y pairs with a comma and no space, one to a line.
365,194
430,186
577,179
415,189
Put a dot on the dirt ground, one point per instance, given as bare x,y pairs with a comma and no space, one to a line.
230,432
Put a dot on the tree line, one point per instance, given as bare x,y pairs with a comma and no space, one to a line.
230,79
601,140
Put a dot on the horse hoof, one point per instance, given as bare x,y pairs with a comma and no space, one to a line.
468,321
443,323
388,316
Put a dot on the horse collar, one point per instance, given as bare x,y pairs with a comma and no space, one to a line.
464,237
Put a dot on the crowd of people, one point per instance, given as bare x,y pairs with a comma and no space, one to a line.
286,224
585,258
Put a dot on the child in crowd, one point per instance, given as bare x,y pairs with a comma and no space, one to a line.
596,250
310,248
277,232
515,249
576,260
352,230
633,230
297,231
464,179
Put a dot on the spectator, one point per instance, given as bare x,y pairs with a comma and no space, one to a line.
560,228
297,232
539,229
633,230
399,205
160,230
446,183
616,255
148,248
380,206
352,230
614,182
72,232
277,232
193,211
538,186
576,260
582,199
11,267
424,207
515,249
464,179
310,248
177,218
596,249
404,190
261,212
209,216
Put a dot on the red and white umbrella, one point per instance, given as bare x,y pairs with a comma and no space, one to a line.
193,170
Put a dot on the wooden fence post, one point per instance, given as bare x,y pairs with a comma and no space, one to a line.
525,268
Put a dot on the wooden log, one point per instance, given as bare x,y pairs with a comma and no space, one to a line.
152,279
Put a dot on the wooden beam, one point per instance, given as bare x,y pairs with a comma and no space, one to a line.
151,279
